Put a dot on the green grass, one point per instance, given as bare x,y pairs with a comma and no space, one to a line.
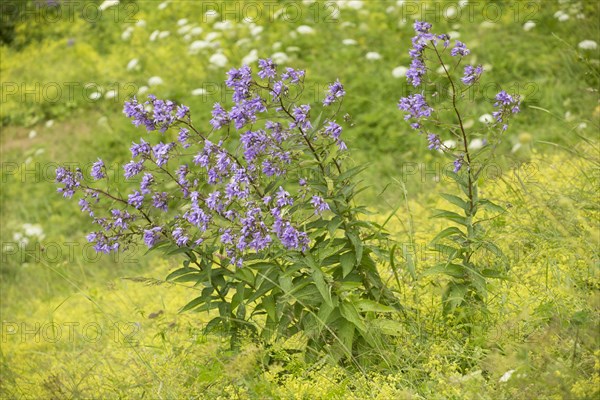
543,321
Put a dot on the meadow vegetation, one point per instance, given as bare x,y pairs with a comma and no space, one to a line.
77,324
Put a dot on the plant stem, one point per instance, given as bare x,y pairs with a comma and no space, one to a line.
464,134
472,210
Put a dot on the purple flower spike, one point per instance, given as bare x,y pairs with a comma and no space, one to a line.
98,170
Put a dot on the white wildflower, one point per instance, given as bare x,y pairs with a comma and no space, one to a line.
198,92
373,56
399,72
155,81
218,60
280,58
486,119
506,376
476,144
111,94
107,4
250,57
195,31
588,45
305,30
132,64
529,25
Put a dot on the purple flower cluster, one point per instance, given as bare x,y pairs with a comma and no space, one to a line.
458,163
155,114
301,118
240,81
103,243
152,236
416,107
434,142
459,49
508,105
114,228
70,180
319,204
333,130
267,69
471,74
420,42
417,66
336,91
98,170
218,195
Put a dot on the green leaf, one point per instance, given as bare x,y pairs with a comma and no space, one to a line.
204,298
451,252
362,224
452,216
333,225
347,286
317,122
492,273
457,201
357,243
322,287
206,307
407,253
454,296
496,251
306,294
445,233
389,327
328,249
351,172
245,275
185,275
366,305
178,250
345,334
268,303
285,282
478,282
454,270
325,311
333,152
238,297
350,314
347,260
265,283
330,185
488,205
458,179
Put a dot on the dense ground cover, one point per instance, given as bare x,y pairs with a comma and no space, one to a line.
73,327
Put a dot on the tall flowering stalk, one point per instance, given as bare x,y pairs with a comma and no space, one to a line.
260,204
462,243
